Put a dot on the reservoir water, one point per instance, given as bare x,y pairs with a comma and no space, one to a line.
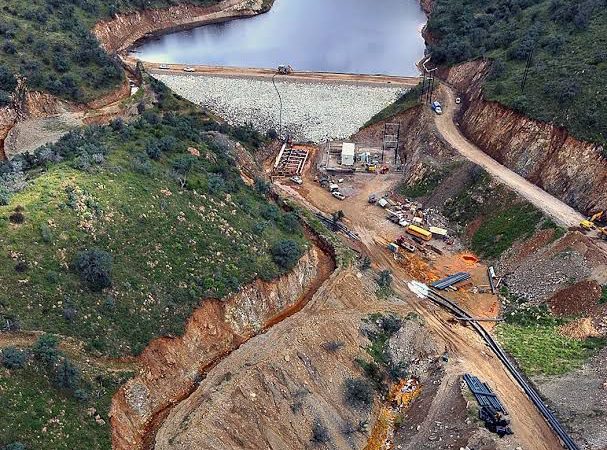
353,36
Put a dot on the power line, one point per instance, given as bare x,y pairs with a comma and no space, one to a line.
280,101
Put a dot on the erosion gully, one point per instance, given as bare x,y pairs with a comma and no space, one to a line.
326,267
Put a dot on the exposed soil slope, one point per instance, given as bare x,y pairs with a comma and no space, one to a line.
570,169
121,32
170,367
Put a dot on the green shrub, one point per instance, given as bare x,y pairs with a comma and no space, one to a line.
286,253
320,433
13,358
358,392
67,375
45,349
95,268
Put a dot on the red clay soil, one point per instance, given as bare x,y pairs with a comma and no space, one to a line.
580,299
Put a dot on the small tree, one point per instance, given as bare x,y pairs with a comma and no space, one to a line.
67,375
365,263
45,349
358,392
13,358
384,280
320,433
95,268
286,253
336,217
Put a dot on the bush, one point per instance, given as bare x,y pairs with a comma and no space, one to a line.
358,392
384,280
286,253
17,217
67,375
320,433
45,349
13,358
21,266
95,268
332,346
14,446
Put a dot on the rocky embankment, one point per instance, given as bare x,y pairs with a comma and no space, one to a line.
572,170
314,112
121,32
172,367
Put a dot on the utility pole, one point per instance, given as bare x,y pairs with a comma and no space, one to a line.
527,68
280,101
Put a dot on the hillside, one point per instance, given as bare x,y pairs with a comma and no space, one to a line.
51,45
111,238
561,41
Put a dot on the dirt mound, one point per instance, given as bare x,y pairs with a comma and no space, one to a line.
581,298
579,329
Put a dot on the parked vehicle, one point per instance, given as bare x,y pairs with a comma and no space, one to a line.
419,232
189,69
338,195
437,108
333,187
163,67
284,70
372,198
458,101
296,179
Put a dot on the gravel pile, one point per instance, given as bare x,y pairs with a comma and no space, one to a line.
314,112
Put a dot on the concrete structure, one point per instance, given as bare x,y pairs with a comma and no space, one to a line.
347,154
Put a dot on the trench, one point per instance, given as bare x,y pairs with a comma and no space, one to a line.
325,267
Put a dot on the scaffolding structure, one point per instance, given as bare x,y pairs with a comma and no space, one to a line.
290,161
391,139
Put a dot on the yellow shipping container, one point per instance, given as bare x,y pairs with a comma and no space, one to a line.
419,232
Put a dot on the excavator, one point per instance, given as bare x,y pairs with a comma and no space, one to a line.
598,222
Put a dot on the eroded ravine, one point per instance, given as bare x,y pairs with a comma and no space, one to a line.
172,368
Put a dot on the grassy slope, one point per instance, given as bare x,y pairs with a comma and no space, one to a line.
406,101
41,416
170,246
569,64
49,43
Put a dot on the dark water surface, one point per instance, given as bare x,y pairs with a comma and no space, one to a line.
355,36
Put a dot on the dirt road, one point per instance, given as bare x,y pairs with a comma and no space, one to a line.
560,212
317,77
467,352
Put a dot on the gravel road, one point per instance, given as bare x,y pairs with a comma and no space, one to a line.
314,112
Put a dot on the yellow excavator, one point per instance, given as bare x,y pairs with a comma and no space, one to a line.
597,221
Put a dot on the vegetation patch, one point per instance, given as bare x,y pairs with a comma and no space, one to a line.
405,102
530,334
501,217
603,298
119,243
53,402
499,232
542,350
541,36
50,44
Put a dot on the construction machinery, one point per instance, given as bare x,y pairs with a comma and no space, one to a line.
598,222
284,70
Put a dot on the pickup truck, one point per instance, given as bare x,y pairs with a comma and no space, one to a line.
437,108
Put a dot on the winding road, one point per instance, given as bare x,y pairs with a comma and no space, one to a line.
560,212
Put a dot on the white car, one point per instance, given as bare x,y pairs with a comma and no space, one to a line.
458,100
163,67
189,69
438,110
338,195
296,180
